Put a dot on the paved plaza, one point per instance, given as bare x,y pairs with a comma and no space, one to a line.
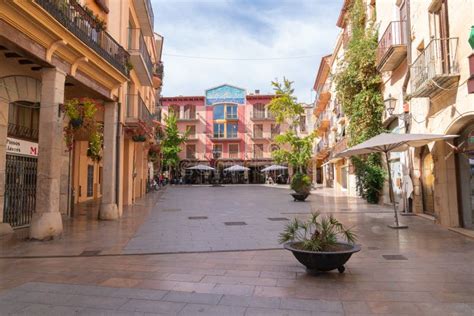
174,254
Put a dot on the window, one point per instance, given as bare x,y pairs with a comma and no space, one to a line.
217,151
191,129
258,131
233,150
303,124
232,130
259,111
191,151
219,112
90,180
189,112
275,130
231,112
258,151
219,130
23,120
174,109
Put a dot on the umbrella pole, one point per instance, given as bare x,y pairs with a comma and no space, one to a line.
392,194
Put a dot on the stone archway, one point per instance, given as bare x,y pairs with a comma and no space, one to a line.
463,165
25,89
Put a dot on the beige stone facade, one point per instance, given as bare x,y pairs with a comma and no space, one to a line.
52,52
423,57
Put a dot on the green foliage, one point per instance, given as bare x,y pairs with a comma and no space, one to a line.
301,183
95,145
300,150
358,89
171,142
317,233
370,177
294,150
284,106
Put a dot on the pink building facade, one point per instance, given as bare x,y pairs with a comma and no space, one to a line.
226,127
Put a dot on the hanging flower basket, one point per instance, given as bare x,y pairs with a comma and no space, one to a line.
76,122
139,138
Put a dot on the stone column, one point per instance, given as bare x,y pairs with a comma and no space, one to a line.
108,208
5,228
46,222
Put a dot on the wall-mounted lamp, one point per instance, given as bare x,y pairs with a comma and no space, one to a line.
390,104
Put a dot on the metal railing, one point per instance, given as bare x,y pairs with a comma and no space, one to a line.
20,131
395,34
77,20
437,59
322,145
151,16
158,70
137,109
137,44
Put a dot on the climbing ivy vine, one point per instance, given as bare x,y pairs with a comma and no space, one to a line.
358,89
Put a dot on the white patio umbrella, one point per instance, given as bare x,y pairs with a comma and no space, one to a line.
388,142
201,168
236,168
274,168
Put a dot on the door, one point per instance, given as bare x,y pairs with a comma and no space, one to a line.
20,190
442,32
427,181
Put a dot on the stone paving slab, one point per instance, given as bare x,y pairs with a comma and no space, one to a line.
236,218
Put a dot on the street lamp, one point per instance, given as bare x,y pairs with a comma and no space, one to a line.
390,104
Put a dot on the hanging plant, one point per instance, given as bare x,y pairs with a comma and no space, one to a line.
95,146
138,135
81,114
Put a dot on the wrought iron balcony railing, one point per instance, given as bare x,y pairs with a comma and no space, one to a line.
392,47
436,68
78,21
20,131
137,109
137,48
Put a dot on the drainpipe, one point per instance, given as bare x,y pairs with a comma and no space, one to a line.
117,153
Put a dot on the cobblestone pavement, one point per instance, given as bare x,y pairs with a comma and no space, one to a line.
434,276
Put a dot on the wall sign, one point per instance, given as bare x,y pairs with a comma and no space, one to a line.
21,147
225,93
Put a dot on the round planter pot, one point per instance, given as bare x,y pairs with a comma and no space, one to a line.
317,261
139,138
299,197
76,122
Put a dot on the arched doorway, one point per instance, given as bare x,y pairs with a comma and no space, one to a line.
22,94
465,175
427,181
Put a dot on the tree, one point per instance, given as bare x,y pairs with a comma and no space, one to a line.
295,150
358,89
171,143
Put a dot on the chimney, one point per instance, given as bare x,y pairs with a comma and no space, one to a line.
257,91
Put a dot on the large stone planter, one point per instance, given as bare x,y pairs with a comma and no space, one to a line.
299,197
317,261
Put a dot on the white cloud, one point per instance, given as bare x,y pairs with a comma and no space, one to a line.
244,29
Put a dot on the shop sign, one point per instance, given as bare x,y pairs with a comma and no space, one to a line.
21,147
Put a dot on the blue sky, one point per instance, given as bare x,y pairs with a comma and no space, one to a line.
244,29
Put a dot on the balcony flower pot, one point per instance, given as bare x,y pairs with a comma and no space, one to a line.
139,138
316,243
322,261
76,122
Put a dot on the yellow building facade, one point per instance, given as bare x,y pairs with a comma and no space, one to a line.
54,51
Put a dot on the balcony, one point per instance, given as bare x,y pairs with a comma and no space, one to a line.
435,69
79,22
144,11
140,57
323,96
22,132
392,48
257,116
322,149
158,71
188,117
220,137
340,146
323,122
137,112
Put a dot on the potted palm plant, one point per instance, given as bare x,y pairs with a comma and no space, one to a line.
316,243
